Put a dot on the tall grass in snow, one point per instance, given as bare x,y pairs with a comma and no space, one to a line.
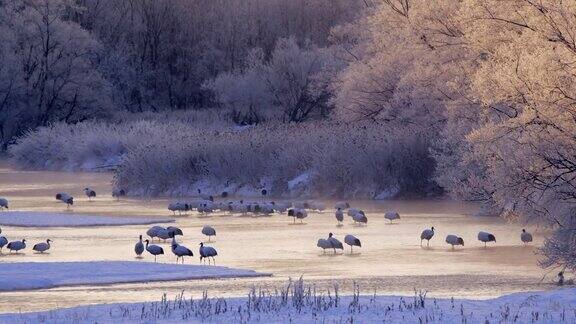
331,160
301,302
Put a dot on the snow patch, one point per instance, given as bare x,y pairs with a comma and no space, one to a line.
43,219
43,275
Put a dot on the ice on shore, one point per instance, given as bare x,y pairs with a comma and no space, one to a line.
43,275
43,219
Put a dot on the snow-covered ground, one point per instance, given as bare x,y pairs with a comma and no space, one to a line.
300,303
43,219
41,275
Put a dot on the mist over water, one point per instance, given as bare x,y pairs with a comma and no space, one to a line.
390,261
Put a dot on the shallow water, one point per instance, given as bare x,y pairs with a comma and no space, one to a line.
390,261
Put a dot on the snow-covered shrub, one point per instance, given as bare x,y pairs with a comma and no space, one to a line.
172,157
332,159
84,146
48,68
291,86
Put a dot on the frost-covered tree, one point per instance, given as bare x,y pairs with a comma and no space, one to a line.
495,78
48,67
162,51
526,88
291,86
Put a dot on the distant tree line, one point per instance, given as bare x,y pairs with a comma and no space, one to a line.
72,60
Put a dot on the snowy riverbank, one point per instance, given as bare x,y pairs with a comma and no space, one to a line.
43,219
43,275
303,304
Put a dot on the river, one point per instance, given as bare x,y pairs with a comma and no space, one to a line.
391,260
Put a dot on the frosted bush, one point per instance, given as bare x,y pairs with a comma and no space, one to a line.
153,158
343,160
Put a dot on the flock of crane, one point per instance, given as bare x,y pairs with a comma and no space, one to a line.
299,210
206,204
179,250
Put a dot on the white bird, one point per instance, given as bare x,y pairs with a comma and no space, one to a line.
42,247
486,237
65,198
238,207
155,250
339,215
352,241
139,247
281,207
427,234
207,252
454,240
299,213
392,215
153,231
3,241
360,217
89,193
3,203
318,206
164,234
117,193
206,207
342,205
16,245
525,237
180,251
334,242
353,211
208,231
178,207
323,244
267,208
173,231
195,203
